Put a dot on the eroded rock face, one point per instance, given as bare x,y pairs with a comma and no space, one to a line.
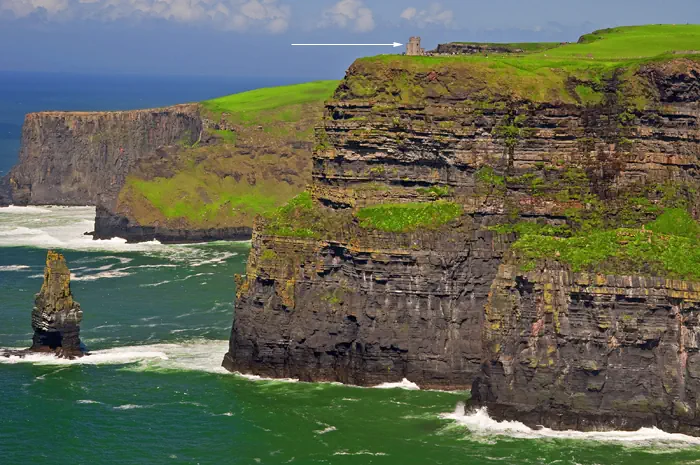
589,351
394,307
446,306
83,158
56,315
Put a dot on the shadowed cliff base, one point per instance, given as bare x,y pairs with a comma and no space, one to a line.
527,220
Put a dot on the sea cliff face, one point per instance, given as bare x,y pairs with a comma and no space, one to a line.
528,234
81,158
585,351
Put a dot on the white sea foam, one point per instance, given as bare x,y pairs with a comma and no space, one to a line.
362,452
102,275
479,422
327,429
155,284
99,357
216,260
131,407
403,384
250,377
13,209
64,227
87,401
61,227
14,267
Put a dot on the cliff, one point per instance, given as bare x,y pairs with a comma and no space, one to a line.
83,158
186,173
56,315
252,155
524,223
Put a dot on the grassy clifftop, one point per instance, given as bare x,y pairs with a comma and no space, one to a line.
253,157
567,73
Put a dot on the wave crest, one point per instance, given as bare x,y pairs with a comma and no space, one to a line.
479,422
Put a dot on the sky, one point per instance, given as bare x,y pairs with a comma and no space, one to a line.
253,38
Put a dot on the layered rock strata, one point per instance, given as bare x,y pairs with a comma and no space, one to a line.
109,224
591,351
56,315
83,158
334,293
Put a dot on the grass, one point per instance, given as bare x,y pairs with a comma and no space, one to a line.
408,217
271,103
250,170
668,246
206,199
297,218
539,75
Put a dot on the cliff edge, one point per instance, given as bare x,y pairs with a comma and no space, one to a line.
525,224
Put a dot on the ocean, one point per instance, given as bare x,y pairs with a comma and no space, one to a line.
157,320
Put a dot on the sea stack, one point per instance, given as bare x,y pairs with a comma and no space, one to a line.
56,316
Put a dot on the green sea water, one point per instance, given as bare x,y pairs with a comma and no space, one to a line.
157,320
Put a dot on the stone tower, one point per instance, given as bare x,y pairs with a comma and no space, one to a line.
413,47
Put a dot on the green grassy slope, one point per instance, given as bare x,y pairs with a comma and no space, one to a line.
259,158
539,76
271,103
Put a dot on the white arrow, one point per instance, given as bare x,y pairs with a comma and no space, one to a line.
395,44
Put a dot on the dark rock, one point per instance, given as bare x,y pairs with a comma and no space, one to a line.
457,48
5,193
109,225
80,158
445,306
56,315
591,352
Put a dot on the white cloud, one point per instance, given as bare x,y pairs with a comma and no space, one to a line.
409,13
349,14
240,15
434,15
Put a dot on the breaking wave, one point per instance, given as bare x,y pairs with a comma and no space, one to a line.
14,268
100,275
65,228
196,355
480,423
403,384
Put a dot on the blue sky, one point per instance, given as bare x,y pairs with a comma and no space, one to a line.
253,37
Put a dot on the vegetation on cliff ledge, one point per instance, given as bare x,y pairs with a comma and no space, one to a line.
668,246
568,73
408,217
254,158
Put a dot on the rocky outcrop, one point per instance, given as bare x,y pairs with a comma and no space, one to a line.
5,195
366,308
466,48
56,315
353,285
83,158
109,225
458,48
588,351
